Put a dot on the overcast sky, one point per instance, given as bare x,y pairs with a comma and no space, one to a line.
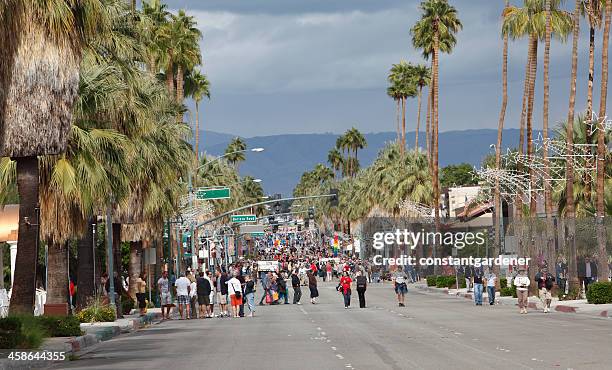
305,66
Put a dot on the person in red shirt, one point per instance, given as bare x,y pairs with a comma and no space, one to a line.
313,268
328,269
345,288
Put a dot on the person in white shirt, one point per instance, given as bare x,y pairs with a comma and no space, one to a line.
234,290
183,286
521,281
193,298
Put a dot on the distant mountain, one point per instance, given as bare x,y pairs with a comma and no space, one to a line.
286,157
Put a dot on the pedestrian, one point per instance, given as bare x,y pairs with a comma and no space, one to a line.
141,288
478,286
561,273
400,286
222,292
491,278
213,293
203,288
362,284
234,289
345,289
183,286
242,284
312,285
545,283
328,269
163,287
249,294
521,281
297,290
193,296
468,272
282,288
265,284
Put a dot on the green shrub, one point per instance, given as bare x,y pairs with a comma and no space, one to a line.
462,283
431,280
23,332
446,282
127,304
10,332
600,292
503,283
96,312
57,326
572,294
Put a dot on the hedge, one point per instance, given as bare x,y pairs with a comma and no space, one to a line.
431,280
27,332
599,293
446,282
96,313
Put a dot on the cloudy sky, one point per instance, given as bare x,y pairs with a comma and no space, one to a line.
306,66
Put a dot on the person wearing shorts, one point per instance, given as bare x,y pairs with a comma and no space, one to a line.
203,287
234,289
399,280
163,287
183,286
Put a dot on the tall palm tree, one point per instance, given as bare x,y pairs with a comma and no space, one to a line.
335,159
235,151
422,77
395,93
439,21
40,64
185,37
401,77
354,142
594,11
500,129
569,172
198,87
602,150
530,20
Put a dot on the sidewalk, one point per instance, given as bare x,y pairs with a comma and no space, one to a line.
577,306
94,333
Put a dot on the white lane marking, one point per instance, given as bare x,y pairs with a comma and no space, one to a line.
322,333
340,356
333,348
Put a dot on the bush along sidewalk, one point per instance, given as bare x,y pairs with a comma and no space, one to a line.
599,293
28,332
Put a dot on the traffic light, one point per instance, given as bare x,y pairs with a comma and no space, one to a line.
333,200
299,228
270,220
275,228
307,223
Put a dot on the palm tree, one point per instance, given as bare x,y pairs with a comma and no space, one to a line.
422,77
594,11
530,20
500,129
185,38
569,190
401,78
439,22
394,92
335,159
235,151
40,64
198,87
602,150
354,141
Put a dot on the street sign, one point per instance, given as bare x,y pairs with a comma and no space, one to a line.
258,234
244,218
251,229
209,194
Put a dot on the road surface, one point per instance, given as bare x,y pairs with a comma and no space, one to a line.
431,332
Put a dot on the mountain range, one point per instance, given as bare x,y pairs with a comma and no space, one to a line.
287,157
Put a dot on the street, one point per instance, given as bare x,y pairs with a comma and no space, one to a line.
431,332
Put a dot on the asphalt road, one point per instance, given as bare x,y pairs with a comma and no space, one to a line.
431,332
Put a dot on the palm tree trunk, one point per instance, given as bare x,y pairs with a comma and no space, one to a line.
180,92
591,72
436,184
569,182
170,78
428,125
27,248
602,258
500,129
403,125
533,52
197,131
57,283
547,186
521,149
117,251
397,120
85,269
135,264
416,136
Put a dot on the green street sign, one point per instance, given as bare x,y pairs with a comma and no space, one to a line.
244,218
256,234
209,194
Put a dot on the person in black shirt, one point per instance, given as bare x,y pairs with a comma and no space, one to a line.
362,283
249,294
295,283
203,289
478,287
